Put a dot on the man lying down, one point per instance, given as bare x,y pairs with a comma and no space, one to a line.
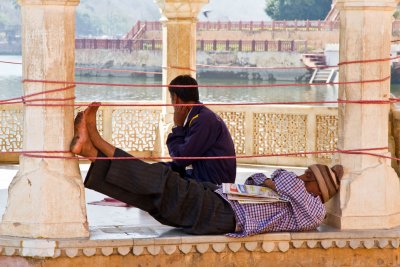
198,207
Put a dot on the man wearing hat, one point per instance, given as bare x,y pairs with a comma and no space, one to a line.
202,207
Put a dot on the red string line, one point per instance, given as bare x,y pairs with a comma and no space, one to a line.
350,151
23,99
11,62
203,85
371,154
368,61
213,157
357,151
339,101
26,101
37,152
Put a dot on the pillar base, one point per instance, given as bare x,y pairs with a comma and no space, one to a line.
368,199
364,222
43,230
46,199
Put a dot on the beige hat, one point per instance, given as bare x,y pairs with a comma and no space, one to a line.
328,179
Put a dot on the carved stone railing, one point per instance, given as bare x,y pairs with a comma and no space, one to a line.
265,130
256,131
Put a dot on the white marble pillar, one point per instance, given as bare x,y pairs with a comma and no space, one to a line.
370,193
46,198
179,18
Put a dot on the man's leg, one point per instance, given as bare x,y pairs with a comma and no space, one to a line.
153,187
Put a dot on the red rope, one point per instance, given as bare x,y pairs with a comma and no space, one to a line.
339,101
36,154
23,99
351,151
203,85
11,62
368,61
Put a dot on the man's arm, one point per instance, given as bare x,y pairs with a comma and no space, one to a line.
202,135
308,211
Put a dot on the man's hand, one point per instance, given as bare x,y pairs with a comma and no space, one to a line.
269,183
180,113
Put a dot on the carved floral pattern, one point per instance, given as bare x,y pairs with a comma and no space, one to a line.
235,121
11,130
276,133
135,130
327,134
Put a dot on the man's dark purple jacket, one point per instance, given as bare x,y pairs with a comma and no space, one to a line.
204,135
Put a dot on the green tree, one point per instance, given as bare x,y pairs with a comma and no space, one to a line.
297,9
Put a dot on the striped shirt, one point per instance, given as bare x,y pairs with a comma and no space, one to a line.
301,212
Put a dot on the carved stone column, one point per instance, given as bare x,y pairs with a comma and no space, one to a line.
179,18
46,198
370,193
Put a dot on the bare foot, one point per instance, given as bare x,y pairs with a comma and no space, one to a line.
93,134
81,143
90,112
90,116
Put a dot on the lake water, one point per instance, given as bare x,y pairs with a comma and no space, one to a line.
10,86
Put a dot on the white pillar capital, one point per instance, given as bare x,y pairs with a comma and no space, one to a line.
181,9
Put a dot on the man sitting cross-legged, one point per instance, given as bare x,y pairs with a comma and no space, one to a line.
200,207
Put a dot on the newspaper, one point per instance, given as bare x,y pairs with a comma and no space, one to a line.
246,194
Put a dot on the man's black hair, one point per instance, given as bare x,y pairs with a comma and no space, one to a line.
184,93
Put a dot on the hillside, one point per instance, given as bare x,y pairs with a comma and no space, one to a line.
116,17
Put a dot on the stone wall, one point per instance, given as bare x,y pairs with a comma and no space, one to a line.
150,60
299,257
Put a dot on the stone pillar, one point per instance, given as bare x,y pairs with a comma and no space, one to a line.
179,18
46,198
370,194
